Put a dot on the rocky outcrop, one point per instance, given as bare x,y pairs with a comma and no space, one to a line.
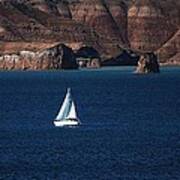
88,57
94,63
58,57
148,63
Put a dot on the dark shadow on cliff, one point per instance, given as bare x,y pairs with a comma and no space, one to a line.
125,58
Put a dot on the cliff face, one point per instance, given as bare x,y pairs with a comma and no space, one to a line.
109,26
151,23
118,10
57,57
20,22
57,8
170,51
95,13
100,16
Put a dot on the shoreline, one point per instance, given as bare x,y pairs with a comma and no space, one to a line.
87,69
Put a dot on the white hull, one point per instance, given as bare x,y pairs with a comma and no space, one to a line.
66,123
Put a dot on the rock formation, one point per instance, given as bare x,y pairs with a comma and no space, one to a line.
115,28
88,57
148,63
57,57
94,63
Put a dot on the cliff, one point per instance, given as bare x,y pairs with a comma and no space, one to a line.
109,26
57,57
151,23
24,23
169,52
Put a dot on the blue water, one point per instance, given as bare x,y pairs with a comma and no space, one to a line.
131,125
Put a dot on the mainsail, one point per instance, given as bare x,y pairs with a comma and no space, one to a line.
67,110
72,113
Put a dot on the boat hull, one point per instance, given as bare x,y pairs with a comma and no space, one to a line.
66,123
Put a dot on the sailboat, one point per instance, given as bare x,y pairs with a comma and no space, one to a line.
67,115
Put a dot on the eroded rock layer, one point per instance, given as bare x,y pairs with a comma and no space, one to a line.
109,26
57,57
151,23
169,52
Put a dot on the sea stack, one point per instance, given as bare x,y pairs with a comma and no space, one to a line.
148,63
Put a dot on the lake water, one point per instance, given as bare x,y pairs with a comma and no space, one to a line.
130,130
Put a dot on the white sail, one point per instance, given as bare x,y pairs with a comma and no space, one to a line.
65,108
72,113
67,115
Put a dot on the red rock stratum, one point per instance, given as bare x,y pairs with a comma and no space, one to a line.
109,26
